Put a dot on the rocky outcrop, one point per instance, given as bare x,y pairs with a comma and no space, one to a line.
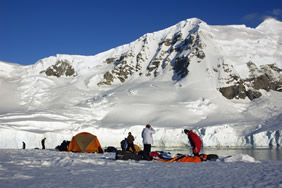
152,56
239,91
61,68
123,68
267,77
176,52
194,46
181,67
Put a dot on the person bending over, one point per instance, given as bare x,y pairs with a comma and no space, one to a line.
195,141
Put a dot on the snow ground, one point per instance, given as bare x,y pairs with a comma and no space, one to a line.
49,168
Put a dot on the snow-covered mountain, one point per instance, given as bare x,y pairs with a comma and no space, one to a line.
222,81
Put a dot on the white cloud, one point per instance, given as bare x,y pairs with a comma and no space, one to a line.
277,12
259,17
251,17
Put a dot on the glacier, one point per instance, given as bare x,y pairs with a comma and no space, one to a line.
170,79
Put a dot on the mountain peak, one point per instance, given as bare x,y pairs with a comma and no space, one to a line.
271,25
178,77
193,21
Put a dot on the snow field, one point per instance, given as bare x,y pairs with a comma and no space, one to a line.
49,168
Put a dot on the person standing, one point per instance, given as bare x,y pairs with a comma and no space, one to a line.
130,143
23,145
123,144
195,141
147,135
43,143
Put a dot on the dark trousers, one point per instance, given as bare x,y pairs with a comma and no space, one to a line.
130,145
43,145
147,149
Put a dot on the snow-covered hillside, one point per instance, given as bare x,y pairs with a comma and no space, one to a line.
222,81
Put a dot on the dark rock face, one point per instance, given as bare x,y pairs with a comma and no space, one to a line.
108,78
122,70
181,67
154,65
267,78
61,68
110,60
239,92
253,94
263,82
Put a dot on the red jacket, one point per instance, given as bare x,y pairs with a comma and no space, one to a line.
195,141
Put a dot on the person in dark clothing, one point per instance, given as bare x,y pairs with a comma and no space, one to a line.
23,145
195,141
64,146
123,144
130,143
43,143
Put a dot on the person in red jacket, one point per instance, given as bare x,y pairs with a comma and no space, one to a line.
195,141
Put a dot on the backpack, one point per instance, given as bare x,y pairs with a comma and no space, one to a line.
125,155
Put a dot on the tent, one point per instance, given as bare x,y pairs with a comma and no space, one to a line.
85,142
137,148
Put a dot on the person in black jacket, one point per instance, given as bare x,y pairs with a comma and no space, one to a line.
43,143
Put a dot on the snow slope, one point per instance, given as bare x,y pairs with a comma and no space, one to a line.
47,168
170,79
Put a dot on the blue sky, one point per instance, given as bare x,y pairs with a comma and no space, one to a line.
34,29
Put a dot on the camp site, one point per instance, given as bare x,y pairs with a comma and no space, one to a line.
140,94
84,162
